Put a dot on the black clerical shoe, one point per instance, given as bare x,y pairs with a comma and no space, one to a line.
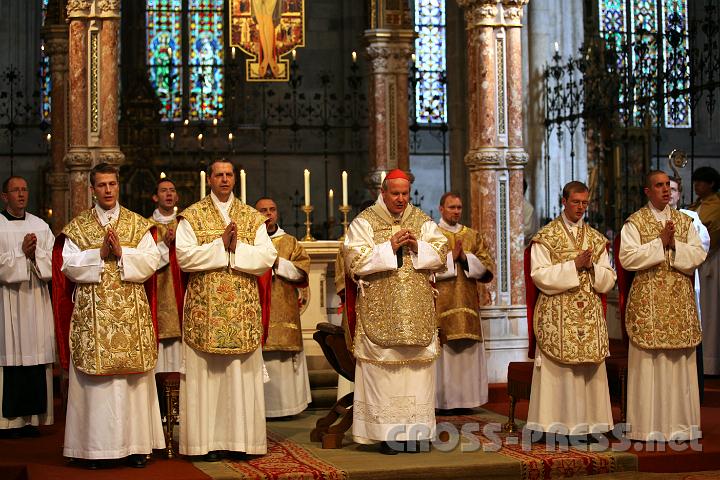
137,461
386,449
30,431
213,456
237,456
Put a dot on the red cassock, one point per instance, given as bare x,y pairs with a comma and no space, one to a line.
62,299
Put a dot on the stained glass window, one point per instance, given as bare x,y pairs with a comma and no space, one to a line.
205,20
639,23
185,47
430,66
45,82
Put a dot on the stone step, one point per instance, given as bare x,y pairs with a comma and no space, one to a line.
324,378
323,398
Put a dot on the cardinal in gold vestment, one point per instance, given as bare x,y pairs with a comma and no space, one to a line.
392,249
462,379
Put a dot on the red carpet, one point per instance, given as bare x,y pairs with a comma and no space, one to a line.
648,461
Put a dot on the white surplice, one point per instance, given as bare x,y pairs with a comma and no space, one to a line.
111,416
568,399
222,401
392,401
288,390
26,322
461,368
169,349
663,398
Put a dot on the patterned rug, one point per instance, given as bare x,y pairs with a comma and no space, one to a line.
284,460
538,462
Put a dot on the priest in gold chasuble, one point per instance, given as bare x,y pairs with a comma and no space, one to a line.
169,287
108,252
224,246
392,249
288,391
570,268
663,248
462,379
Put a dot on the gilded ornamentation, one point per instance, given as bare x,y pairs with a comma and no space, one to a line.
500,82
458,303
285,331
661,311
222,311
168,318
397,306
111,331
94,82
570,326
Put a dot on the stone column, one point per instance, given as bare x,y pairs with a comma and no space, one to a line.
56,43
495,159
390,47
93,88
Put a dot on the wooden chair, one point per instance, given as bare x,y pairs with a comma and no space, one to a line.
168,387
328,429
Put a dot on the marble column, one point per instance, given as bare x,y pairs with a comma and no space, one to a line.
56,45
390,47
495,161
93,93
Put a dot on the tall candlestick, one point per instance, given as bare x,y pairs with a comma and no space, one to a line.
307,187
202,185
344,188
243,195
331,206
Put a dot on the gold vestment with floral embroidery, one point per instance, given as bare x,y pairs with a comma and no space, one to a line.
284,331
167,311
397,307
222,312
458,300
111,330
661,311
570,326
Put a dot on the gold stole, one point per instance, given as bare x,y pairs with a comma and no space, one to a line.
284,332
111,330
222,312
570,326
458,301
661,311
397,307
167,311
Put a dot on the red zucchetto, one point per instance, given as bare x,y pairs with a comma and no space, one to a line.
397,173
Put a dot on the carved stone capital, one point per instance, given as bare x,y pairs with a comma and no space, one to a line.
513,12
93,9
390,58
114,157
516,158
108,8
78,8
78,160
58,181
490,158
480,12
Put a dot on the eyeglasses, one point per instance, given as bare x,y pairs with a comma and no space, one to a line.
18,190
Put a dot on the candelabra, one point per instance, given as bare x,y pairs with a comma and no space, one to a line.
344,209
308,223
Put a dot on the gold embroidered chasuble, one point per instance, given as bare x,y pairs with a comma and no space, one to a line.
222,312
284,331
458,298
111,330
397,306
570,326
661,311
708,209
167,310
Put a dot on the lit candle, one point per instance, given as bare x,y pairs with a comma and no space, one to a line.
232,51
557,47
243,194
413,58
230,137
186,122
354,56
202,184
162,175
331,198
48,137
200,137
344,189
382,176
172,136
214,122
307,187
294,54
175,210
